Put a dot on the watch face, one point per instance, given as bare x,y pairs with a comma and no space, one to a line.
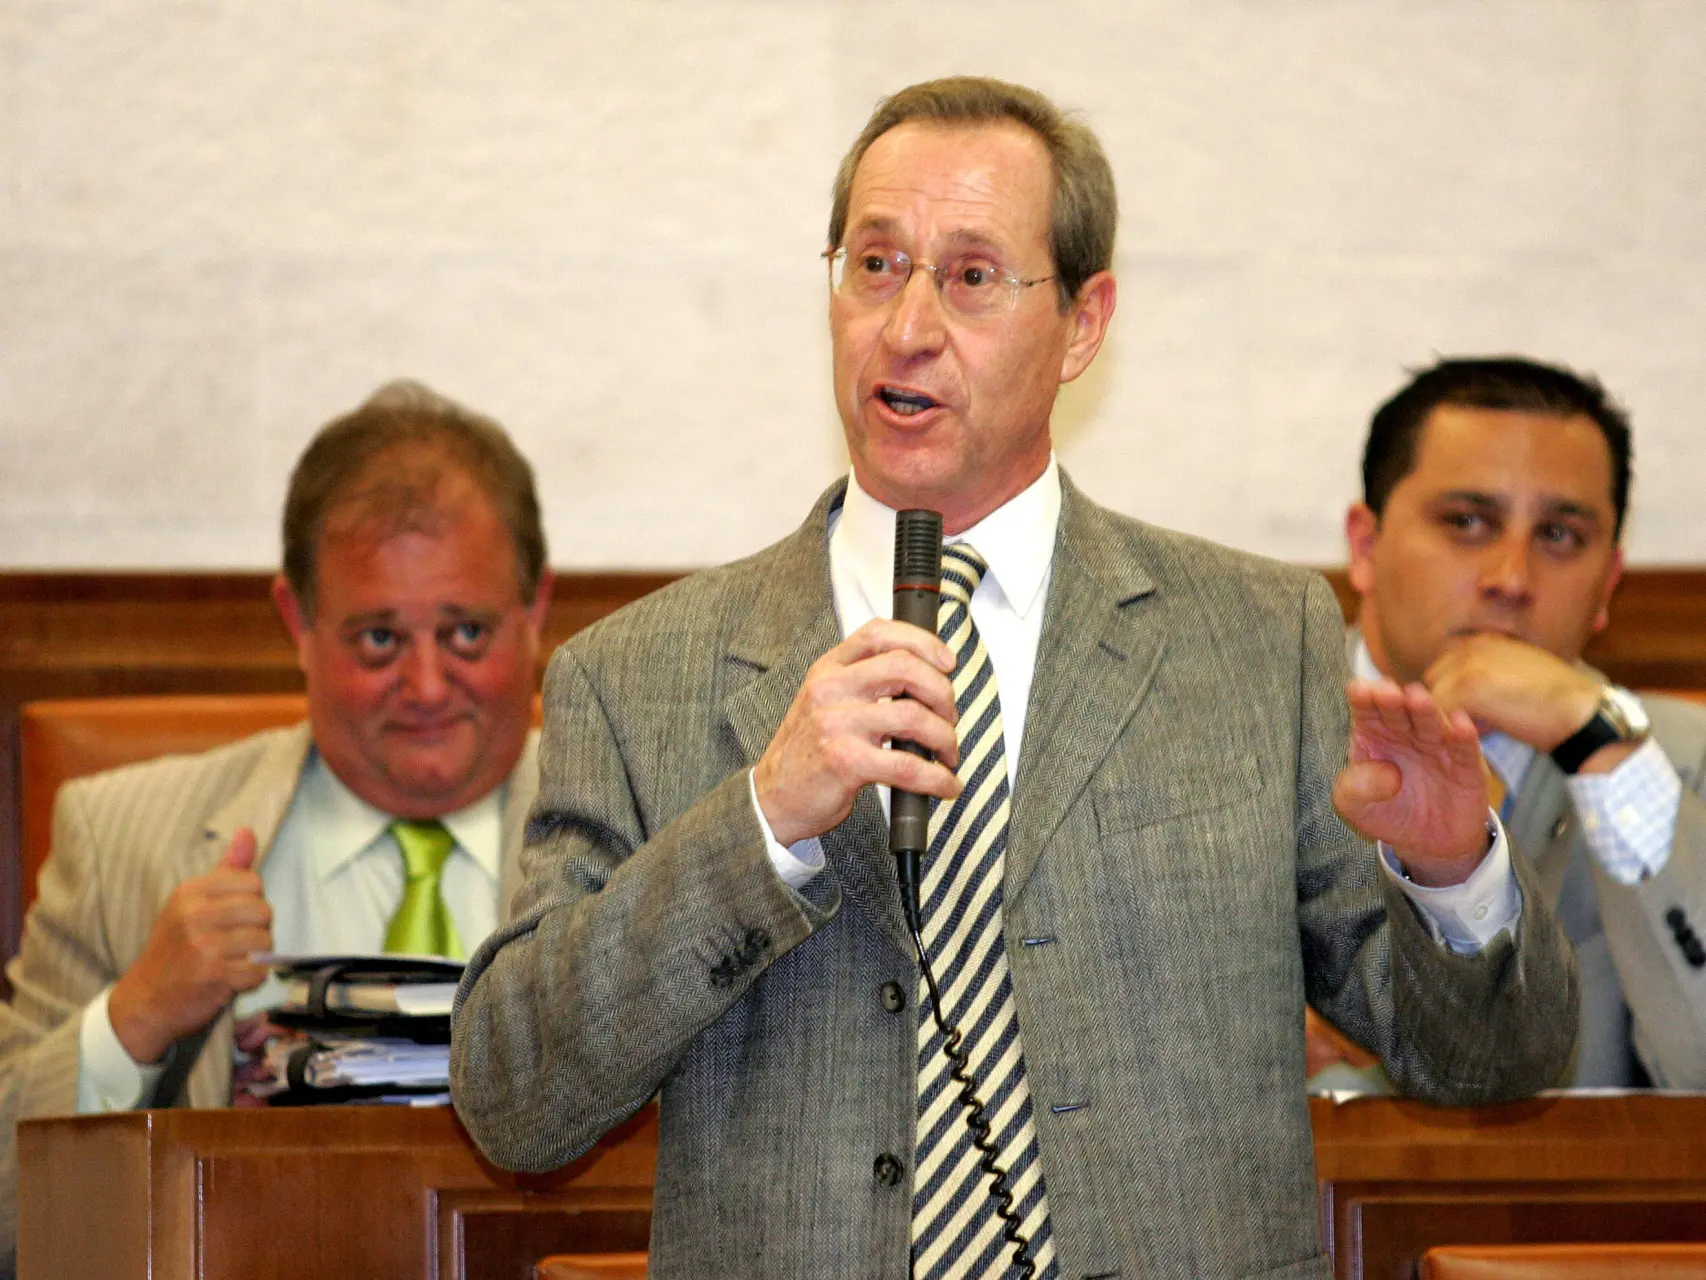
1624,710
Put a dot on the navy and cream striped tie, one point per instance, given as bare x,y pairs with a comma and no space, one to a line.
955,1230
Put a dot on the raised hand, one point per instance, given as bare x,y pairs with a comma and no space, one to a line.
197,956
831,741
1415,780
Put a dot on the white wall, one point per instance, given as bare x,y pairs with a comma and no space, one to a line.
222,223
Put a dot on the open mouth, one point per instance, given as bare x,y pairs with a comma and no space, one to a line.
905,403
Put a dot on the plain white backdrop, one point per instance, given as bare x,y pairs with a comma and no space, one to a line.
223,223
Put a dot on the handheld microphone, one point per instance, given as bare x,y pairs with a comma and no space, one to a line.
917,589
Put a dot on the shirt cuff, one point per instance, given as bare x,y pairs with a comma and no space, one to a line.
1629,815
1467,916
108,1078
797,864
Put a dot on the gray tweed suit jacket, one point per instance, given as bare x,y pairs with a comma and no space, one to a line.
1172,835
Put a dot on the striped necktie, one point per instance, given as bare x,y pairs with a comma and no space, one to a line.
955,1230
422,925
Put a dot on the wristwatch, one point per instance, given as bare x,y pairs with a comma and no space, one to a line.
1620,717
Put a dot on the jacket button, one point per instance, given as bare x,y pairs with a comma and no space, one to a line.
888,1169
894,997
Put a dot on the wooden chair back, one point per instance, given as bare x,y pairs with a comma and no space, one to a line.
1564,1262
591,1266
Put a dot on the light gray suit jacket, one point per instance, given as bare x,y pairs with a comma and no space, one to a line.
1641,998
122,841
1172,833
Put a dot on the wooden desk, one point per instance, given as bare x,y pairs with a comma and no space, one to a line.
1397,1177
386,1192
310,1192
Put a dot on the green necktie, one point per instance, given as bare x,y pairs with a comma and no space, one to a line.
422,925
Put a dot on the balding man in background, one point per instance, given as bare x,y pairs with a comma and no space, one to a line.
414,589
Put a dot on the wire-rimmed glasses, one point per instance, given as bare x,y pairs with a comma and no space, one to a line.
969,284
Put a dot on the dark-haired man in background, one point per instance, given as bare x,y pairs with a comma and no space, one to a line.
1486,550
414,587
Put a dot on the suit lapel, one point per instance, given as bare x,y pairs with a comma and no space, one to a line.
261,801
1542,801
260,804
789,626
1096,659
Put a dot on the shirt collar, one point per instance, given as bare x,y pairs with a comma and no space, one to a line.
1016,540
1508,757
343,825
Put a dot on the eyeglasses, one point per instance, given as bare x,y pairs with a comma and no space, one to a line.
970,285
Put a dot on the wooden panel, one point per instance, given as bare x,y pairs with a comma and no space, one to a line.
86,634
592,1266
1387,1227
1634,1260
343,1210
1638,1136
77,635
90,1164
494,1236
160,1194
308,1192
1397,1176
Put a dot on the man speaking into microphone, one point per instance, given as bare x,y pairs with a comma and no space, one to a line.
1136,875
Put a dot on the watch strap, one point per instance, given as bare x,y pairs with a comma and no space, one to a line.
1607,725
1572,753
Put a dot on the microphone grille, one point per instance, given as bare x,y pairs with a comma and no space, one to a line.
917,547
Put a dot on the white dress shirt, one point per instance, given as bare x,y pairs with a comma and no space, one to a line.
334,879
1017,542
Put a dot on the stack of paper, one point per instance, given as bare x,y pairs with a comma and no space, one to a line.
360,1029
417,1000
367,1063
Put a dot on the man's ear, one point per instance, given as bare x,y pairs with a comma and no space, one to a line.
541,606
290,609
1092,310
1602,619
1362,531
